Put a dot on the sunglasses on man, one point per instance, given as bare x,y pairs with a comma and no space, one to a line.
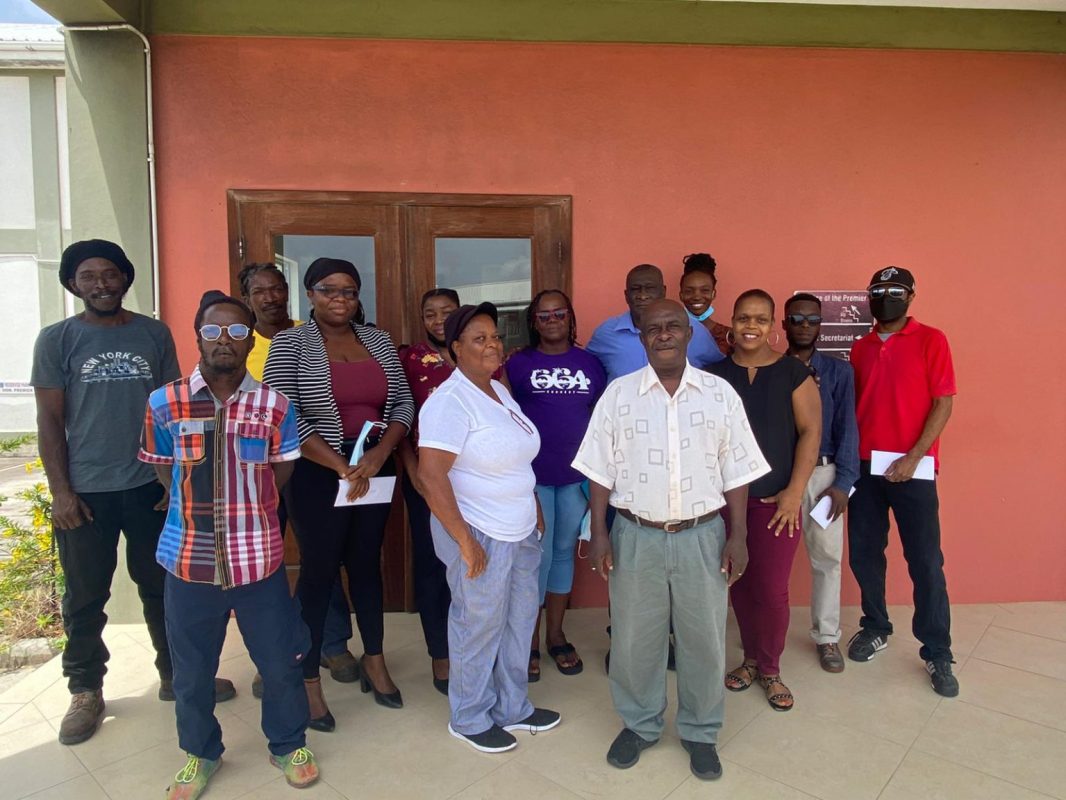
237,332
895,292
799,319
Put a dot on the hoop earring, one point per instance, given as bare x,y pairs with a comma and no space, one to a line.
776,341
730,339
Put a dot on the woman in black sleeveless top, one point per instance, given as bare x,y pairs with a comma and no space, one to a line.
785,413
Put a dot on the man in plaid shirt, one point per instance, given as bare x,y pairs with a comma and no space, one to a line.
225,443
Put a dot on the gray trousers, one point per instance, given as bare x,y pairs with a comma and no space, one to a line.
825,547
490,625
659,578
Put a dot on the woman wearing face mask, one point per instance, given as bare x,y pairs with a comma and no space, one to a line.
339,375
699,286
785,412
557,385
427,365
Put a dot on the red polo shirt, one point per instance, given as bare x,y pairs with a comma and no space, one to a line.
895,384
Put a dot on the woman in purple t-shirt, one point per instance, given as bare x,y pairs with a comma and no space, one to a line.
557,384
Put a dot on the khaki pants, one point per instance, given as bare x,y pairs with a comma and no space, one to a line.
825,546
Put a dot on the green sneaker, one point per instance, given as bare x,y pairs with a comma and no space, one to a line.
191,780
299,767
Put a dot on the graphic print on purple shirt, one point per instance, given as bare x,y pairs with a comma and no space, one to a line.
558,393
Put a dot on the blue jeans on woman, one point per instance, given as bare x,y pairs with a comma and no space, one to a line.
563,507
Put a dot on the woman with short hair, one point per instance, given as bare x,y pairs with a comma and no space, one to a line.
785,414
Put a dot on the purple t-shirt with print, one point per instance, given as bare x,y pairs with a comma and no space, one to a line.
557,392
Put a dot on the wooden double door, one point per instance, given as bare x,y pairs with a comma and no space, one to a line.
499,248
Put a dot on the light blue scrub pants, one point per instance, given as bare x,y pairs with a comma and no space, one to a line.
490,623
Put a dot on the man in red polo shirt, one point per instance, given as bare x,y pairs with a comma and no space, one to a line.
904,386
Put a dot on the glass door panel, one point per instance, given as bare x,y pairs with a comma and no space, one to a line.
495,270
293,253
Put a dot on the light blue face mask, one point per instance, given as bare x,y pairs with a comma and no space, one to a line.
704,316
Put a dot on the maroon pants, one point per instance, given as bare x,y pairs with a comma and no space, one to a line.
760,596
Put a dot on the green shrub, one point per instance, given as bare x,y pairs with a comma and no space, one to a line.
31,580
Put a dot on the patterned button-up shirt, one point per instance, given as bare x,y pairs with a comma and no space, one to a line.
222,523
670,458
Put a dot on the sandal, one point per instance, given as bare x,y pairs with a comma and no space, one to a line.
533,676
779,701
742,677
560,652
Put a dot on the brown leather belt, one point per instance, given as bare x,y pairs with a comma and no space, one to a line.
825,461
671,525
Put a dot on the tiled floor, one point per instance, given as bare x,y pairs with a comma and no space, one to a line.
876,731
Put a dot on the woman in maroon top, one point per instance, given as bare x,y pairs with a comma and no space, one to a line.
339,375
427,365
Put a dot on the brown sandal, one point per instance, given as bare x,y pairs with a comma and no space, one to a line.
779,701
742,677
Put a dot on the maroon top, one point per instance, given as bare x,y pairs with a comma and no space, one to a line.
426,369
360,390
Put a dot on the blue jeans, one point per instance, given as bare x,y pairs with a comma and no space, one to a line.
490,623
563,507
277,640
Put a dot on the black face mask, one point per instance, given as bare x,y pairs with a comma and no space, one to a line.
887,309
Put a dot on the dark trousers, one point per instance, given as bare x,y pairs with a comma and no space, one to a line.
915,506
89,555
338,628
329,537
431,580
277,641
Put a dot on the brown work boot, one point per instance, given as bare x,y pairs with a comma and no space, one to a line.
82,718
830,657
343,668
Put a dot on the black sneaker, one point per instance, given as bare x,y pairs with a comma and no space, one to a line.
944,682
703,760
542,719
864,645
494,740
626,747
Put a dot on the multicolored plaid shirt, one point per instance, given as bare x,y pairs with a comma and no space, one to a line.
222,524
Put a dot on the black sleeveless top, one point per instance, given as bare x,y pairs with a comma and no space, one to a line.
768,404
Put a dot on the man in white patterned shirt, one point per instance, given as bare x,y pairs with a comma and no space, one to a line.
669,446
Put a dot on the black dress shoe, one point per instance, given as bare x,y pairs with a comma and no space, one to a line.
441,685
392,700
326,723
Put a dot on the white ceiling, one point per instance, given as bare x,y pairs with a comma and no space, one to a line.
1012,5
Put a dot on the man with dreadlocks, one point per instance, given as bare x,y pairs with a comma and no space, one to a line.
557,385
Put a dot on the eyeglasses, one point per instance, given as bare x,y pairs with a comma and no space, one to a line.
212,333
799,319
331,292
522,423
558,314
895,292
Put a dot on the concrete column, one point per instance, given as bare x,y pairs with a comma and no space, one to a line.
106,116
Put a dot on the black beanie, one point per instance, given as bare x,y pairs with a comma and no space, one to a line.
322,268
78,252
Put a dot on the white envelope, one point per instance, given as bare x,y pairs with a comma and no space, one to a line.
820,512
880,460
380,491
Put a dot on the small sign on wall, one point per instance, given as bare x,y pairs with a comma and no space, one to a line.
845,319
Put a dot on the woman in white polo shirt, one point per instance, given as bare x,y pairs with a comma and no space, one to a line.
476,449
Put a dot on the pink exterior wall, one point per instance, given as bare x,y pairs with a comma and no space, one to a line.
797,168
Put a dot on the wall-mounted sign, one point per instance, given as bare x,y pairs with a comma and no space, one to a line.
15,388
845,318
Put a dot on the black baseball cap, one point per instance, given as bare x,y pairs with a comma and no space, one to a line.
897,276
460,318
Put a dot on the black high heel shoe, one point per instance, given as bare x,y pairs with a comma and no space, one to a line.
393,700
441,685
326,723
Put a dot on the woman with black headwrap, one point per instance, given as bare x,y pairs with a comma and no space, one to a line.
340,375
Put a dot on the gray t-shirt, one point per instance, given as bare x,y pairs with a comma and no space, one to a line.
107,373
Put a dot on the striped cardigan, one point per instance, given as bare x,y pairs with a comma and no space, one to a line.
298,367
